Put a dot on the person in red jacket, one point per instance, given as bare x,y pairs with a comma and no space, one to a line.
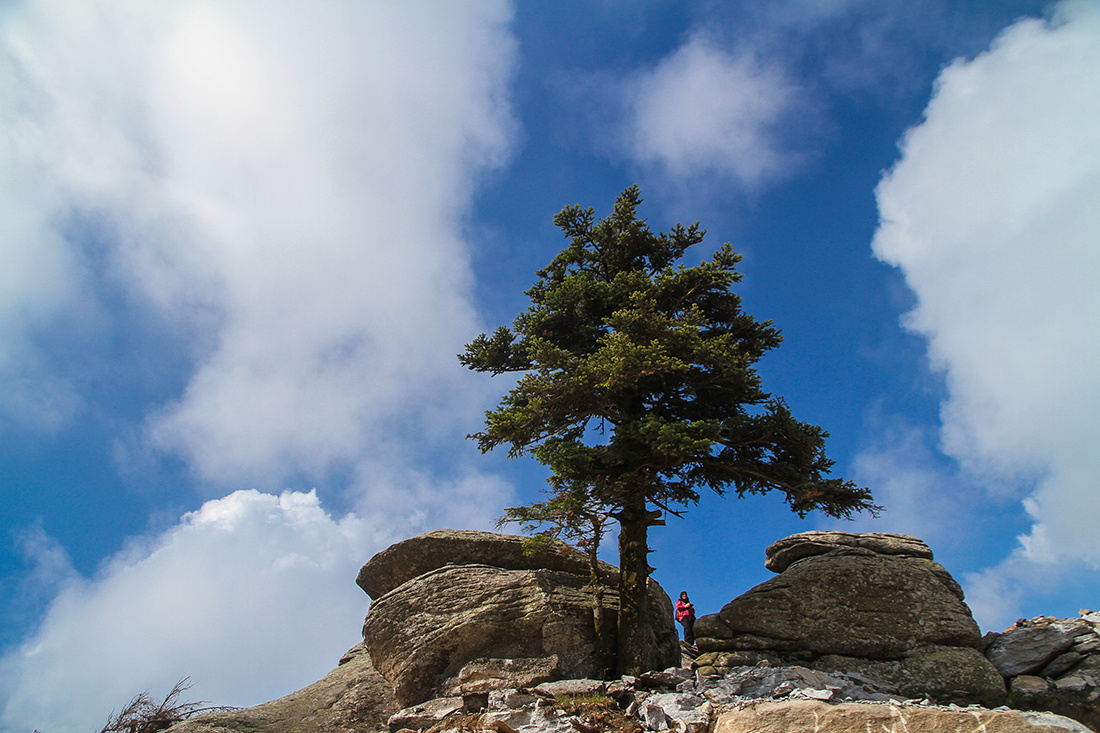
685,614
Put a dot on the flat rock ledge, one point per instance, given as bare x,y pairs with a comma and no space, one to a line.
782,553
416,556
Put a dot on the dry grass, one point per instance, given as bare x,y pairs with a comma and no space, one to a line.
145,715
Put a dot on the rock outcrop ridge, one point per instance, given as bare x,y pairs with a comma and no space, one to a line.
468,632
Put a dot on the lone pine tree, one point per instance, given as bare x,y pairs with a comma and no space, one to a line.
639,390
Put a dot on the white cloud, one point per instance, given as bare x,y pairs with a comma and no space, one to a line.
280,189
704,111
918,496
285,182
253,595
991,214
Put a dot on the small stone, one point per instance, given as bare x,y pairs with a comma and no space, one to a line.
708,659
1071,684
426,714
812,694
510,699
1029,684
654,716
571,687
668,678
783,689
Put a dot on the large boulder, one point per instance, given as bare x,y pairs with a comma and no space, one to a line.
352,697
418,555
822,717
422,632
848,599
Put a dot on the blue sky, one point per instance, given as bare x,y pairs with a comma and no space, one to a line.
241,244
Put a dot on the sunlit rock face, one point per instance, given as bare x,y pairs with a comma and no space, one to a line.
874,596
450,597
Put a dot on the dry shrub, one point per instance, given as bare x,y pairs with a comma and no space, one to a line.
145,715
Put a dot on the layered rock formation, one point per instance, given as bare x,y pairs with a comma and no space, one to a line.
469,632
1051,664
876,604
447,598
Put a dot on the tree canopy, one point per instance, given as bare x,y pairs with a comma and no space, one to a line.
639,390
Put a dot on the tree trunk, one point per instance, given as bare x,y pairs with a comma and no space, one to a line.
634,640
605,633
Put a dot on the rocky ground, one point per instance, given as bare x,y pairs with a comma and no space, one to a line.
760,697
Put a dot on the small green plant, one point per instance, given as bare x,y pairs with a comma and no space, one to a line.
145,715
596,713
573,703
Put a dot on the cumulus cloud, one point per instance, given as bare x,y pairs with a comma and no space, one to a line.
705,111
991,215
252,595
920,497
282,183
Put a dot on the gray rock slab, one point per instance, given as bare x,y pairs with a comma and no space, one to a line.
1028,649
426,714
780,554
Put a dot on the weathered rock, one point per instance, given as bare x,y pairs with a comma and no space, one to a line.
664,711
426,714
1087,643
822,717
726,660
571,687
947,674
665,678
423,632
485,675
849,601
779,556
352,697
1080,702
1028,649
1061,664
529,720
405,560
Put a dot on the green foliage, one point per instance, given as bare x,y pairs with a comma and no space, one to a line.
639,388
572,703
639,376
572,517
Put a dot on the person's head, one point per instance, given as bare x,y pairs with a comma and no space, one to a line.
683,595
